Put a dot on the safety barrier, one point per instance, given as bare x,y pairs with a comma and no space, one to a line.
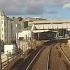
5,64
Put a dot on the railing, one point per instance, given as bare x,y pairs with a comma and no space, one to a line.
14,57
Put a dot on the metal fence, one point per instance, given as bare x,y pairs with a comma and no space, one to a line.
9,58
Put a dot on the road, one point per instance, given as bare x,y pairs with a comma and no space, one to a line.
48,59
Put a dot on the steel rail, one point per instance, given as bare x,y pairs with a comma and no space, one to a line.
49,56
64,54
34,58
5,63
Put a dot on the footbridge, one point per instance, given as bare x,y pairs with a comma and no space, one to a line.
51,28
50,24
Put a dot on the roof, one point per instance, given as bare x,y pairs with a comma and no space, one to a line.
49,21
38,31
2,13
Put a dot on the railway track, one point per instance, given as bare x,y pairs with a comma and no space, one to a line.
29,66
52,62
66,57
60,64
27,63
48,61
64,54
49,56
49,49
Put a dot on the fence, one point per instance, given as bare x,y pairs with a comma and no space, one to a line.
9,58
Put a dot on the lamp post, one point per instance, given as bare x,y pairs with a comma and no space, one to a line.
17,36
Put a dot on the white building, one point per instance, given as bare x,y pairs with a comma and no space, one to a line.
23,38
25,34
11,30
7,28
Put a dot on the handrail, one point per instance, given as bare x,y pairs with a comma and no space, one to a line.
9,59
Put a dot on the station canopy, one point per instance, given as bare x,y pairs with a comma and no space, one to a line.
39,31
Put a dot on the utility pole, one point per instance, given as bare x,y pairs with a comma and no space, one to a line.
17,36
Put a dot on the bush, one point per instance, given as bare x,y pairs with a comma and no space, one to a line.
34,44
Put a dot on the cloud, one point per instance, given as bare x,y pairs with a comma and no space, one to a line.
13,6
21,7
35,7
55,2
52,12
67,5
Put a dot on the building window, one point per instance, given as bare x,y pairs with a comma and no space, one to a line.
5,38
5,31
2,35
1,22
2,29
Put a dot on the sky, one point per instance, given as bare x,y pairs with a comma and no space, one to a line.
54,9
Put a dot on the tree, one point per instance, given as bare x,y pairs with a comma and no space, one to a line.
20,18
13,17
25,24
